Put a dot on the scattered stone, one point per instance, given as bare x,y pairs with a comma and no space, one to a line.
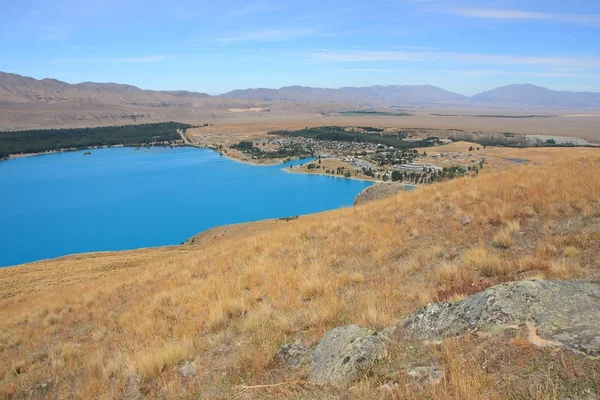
466,220
293,355
557,314
188,370
378,191
432,375
345,353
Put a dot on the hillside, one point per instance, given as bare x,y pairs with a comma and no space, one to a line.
20,89
206,320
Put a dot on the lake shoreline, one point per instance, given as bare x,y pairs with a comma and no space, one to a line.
247,162
132,187
74,149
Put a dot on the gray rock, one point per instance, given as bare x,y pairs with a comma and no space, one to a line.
378,191
432,375
188,370
345,353
466,220
388,334
293,355
562,314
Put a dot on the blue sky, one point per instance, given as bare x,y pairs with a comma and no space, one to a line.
214,46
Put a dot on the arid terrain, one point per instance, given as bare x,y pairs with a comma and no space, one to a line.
48,103
208,318
124,325
287,115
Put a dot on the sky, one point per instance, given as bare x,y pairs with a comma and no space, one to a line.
466,46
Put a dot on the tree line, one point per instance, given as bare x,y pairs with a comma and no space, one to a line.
43,140
247,147
339,134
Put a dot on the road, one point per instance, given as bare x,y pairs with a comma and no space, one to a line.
182,134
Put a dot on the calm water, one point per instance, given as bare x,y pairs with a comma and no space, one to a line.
122,198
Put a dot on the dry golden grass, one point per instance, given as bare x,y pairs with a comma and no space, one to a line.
112,324
500,158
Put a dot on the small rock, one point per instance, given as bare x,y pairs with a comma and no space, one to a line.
345,353
187,370
293,355
432,375
466,220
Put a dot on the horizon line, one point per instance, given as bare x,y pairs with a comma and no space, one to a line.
302,86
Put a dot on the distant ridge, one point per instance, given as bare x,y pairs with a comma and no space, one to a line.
19,89
537,96
519,95
373,95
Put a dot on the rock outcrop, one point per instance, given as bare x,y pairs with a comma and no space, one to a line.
562,314
293,355
557,314
345,353
378,191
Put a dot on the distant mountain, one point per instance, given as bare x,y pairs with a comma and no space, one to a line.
363,96
20,89
537,96
385,96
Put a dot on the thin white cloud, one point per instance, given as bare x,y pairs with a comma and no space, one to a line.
270,35
368,70
491,13
192,9
474,73
125,60
147,59
579,62
256,7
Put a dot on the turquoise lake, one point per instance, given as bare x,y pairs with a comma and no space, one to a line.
122,198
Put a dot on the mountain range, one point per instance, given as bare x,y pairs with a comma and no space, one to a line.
19,89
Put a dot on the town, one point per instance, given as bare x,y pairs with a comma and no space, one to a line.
397,156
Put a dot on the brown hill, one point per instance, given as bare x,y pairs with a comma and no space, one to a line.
206,321
20,89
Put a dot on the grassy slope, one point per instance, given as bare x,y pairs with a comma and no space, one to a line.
111,324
